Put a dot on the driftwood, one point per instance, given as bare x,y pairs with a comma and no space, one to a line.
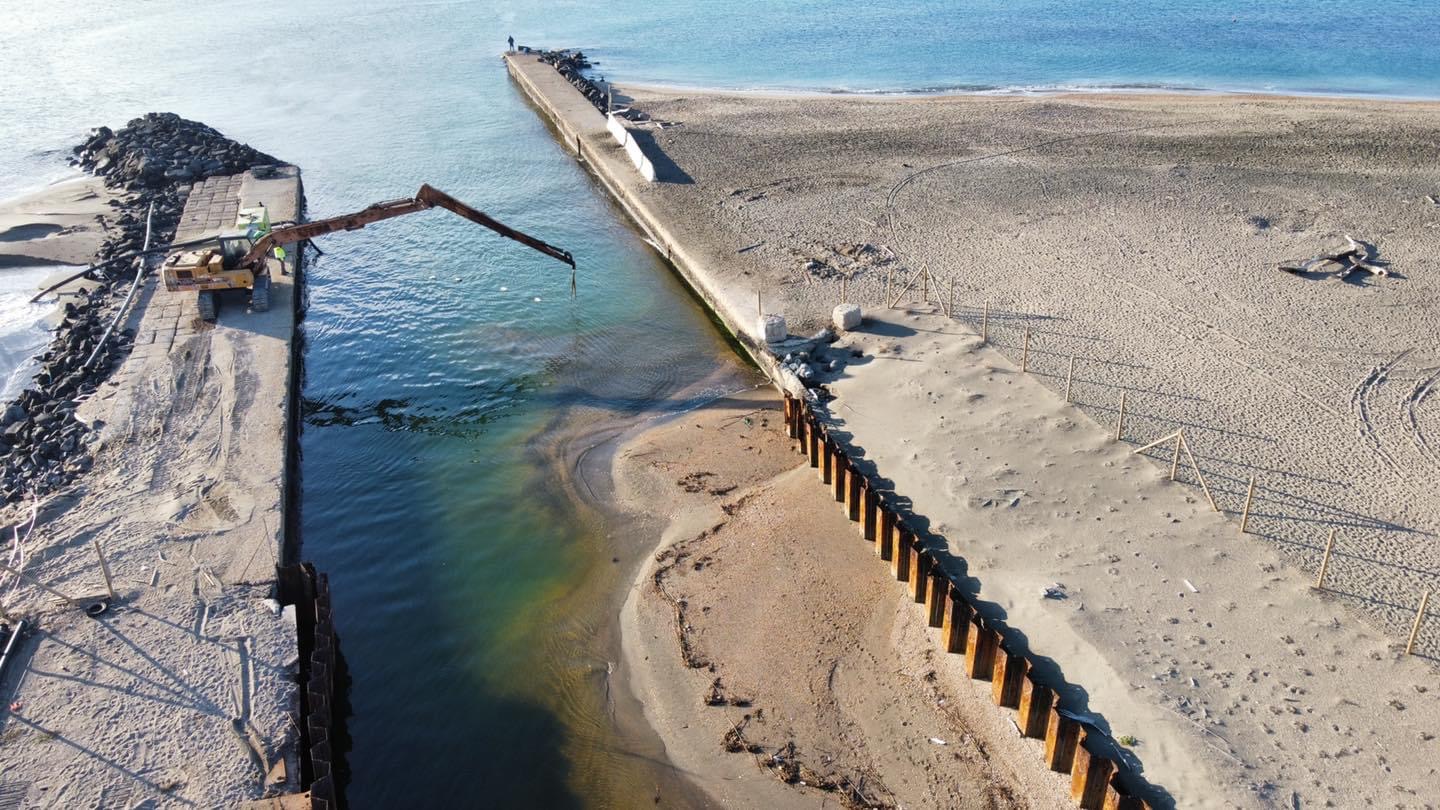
1355,256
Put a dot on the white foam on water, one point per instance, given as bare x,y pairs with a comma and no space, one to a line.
23,333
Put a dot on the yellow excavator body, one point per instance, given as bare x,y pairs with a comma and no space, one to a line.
204,269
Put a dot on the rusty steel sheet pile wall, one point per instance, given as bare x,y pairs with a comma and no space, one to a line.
1070,745
309,592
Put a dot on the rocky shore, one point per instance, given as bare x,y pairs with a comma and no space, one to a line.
152,160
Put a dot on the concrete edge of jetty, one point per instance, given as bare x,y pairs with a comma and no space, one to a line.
584,131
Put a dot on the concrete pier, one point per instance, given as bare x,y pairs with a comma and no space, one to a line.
182,691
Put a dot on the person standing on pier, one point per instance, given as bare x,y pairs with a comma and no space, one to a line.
511,40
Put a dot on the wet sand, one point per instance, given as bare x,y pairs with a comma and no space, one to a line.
763,620
58,224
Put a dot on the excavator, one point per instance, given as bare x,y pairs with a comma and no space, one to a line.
241,260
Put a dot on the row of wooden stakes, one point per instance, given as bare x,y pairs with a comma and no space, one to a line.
1069,744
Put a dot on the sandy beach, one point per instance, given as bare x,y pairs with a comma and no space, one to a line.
62,223
1139,235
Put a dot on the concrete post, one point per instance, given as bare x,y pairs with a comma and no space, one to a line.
957,622
1007,677
1089,776
936,595
1061,735
1034,709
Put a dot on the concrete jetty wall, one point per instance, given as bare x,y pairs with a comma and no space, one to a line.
582,129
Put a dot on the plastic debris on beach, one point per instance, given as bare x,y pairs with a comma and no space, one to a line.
1056,591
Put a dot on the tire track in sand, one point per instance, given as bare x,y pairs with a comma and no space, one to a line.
1411,422
1360,398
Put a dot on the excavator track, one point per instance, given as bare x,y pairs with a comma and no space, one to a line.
209,305
260,294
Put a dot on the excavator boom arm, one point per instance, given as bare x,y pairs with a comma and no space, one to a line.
428,197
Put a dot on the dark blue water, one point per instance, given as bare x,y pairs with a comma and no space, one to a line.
450,379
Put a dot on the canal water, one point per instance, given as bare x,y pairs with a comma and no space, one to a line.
458,403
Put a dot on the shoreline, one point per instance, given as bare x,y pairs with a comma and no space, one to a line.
1024,92
582,452
715,228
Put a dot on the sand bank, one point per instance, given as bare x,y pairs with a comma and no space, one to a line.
762,621
59,224
1141,236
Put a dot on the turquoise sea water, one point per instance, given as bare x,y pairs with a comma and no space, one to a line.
444,403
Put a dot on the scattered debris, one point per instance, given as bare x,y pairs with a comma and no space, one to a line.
1354,257
1056,591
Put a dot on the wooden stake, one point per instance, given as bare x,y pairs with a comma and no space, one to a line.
925,286
1245,515
1120,423
759,309
1025,352
985,324
889,276
1200,476
104,569
1419,616
1175,462
1069,375
844,289
1325,562
37,583
950,311
1158,441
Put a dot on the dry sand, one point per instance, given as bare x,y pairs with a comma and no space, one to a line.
793,632
1140,235
183,694
59,224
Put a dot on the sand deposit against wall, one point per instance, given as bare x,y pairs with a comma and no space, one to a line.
1141,236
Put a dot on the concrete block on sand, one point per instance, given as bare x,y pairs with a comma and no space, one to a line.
772,328
846,317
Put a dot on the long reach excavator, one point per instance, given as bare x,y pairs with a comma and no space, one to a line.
242,260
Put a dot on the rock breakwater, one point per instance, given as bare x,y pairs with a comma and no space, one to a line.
153,160
572,65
